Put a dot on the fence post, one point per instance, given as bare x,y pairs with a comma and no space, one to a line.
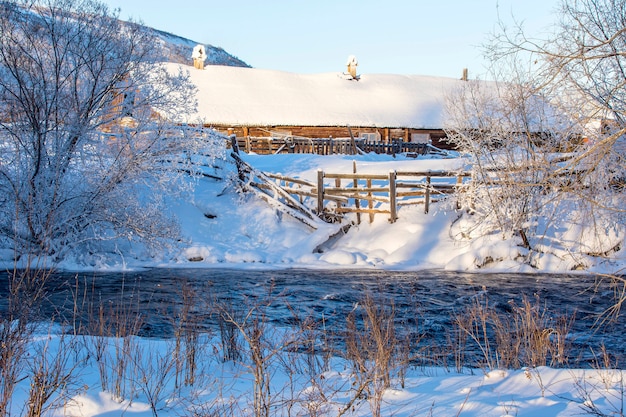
357,202
427,194
320,192
234,144
370,201
392,197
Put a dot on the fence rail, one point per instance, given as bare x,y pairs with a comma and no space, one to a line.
336,194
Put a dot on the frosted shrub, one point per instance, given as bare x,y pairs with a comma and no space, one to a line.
76,164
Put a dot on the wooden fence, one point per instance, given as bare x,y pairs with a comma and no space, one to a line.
326,146
394,147
338,193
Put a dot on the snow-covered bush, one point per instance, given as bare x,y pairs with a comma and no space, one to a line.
87,144
544,138
511,135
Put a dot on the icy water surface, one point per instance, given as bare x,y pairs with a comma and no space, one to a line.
424,303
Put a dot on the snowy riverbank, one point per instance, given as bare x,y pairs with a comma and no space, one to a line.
222,228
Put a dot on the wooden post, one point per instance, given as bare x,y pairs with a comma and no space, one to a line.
427,195
353,151
233,143
392,197
357,202
320,192
370,201
198,63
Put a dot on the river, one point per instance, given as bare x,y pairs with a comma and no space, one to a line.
425,303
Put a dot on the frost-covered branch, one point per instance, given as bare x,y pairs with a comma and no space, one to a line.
86,126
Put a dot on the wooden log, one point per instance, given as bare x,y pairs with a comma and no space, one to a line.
431,174
357,201
370,203
245,169
347,196
419,193
393,216
281,147
287,209
416,202
291,190
358,176
352,142
339,198
320,192
343,190
338,185
289,179
427,196
371,212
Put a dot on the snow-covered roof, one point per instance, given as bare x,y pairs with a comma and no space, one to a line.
256,97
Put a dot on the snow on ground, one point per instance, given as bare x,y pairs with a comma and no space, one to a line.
223,228
225,388
249,231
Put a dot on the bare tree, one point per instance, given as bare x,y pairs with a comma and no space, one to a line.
511,136
582,67
85,117
546,138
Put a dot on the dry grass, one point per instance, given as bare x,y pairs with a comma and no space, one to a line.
524,335
375,352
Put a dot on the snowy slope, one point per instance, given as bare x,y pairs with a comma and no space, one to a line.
245,230
178,50
221,227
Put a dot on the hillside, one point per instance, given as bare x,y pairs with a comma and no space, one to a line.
177,49
173,48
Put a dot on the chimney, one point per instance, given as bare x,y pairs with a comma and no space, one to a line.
352,64
199,56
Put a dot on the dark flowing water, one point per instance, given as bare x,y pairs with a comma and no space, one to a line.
425,303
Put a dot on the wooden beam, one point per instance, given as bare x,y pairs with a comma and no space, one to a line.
393,215
320,192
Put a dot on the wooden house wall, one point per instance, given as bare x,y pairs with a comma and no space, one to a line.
437,136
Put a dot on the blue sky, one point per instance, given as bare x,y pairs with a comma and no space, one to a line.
435,37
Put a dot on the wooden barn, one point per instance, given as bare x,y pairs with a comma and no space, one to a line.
377,108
